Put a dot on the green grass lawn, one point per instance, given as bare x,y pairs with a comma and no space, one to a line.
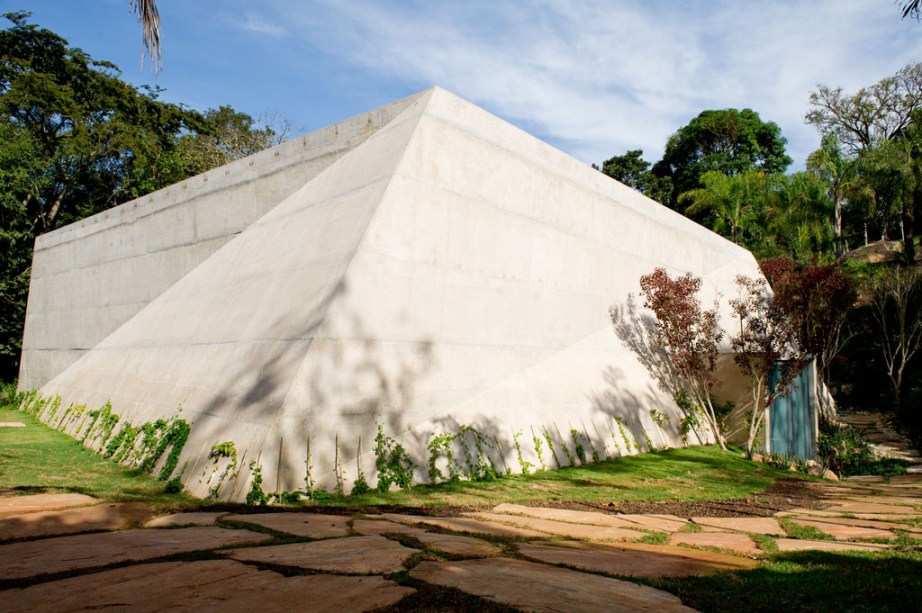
38,459
694,473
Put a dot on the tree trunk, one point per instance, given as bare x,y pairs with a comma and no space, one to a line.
838,225
909,247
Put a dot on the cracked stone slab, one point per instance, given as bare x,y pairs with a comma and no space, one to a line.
69,521
546,589
377,527
658,522
564,515
465,524
559,528
752,525
733,541
358,555
634,559
808,545
311,525
465,546
185,519
845,532
66,553
213,585
44,502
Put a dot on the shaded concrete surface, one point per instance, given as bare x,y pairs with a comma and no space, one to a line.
330,568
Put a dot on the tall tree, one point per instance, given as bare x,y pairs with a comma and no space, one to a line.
632,170
689,335
76,139
817,301
728,141
875,113
896,305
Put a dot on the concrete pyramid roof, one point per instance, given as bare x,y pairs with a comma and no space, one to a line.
447,270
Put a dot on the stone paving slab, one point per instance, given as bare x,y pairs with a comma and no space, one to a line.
311,525
464,546
564,515
465,524
811,512
733,541
863,523
660,523
213,585
871,507
559,528
12,424
808,545
69,521
43,502
905,501
752,525
377,527
357,555
844,532
185,519
546,589
635,560
66,553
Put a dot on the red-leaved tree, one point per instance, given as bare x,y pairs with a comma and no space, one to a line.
817,301
766,349
689,335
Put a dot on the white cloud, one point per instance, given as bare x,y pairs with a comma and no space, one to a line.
601,78
257,24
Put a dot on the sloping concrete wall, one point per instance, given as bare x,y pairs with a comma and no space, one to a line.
451,270
90,277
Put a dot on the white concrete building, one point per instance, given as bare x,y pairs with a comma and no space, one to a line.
424,266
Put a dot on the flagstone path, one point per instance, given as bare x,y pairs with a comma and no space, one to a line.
73,552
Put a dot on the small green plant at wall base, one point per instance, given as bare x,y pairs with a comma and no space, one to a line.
628,443
173,486
439,444
225,450
359,486
526,466
550,446
648,441
256,495
392,462
578,446
538,451
659,418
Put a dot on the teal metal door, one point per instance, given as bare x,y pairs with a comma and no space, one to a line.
792,419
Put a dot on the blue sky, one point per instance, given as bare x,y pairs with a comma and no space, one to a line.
592,78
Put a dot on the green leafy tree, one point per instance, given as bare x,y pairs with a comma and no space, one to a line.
727,141
75,139
726,203
632,170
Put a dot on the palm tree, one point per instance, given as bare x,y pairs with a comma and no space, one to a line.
838,171
150,29
725,203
